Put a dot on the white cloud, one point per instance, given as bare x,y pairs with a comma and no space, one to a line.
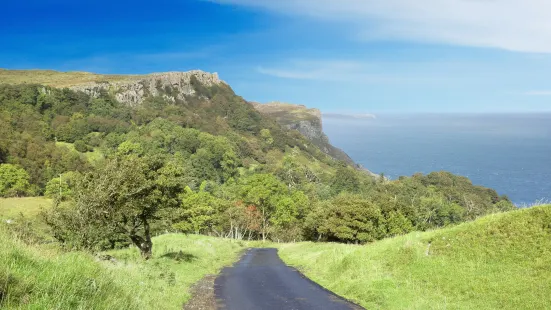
538,93
345,71
323,70
517,25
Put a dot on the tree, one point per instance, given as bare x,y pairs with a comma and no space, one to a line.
346,180
14,181
122,196
397,224
61,188
80,146
349,218
267,139
286,219
263,191
198,211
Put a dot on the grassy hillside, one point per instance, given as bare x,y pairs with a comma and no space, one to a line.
56,78
497,262
28,206
92,156
40,277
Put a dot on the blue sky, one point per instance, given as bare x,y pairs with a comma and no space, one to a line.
348,56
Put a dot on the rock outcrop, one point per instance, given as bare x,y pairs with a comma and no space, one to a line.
133,91
307,121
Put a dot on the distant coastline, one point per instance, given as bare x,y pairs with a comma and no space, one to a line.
349,116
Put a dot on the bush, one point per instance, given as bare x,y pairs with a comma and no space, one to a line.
14,181
81,146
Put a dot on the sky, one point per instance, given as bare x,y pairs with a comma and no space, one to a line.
346,56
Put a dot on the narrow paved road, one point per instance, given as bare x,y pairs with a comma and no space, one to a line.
261,281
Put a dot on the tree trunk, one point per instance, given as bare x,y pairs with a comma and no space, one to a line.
263,225
144,244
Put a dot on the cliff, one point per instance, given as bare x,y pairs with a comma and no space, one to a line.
307,121
171,85
129,89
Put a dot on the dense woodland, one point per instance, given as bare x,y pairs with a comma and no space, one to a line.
210,164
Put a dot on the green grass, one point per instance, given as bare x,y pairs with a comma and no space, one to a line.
93,156
11,209
497,262
43,277
40,277
164,280
30,207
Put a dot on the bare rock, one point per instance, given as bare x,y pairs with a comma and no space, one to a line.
171,85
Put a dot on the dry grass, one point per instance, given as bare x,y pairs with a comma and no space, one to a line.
58,79
286,112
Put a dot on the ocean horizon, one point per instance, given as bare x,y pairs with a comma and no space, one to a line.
510,153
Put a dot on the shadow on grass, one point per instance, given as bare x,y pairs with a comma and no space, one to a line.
180,256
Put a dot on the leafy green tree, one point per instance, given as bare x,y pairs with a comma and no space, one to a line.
267,139
397,224
122,196
264,191
81,146
349,218
346,179
434,211
14,181
61,188
199,211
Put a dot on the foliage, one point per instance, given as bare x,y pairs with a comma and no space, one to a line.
122,197
349,218
14,181
62,187
198,212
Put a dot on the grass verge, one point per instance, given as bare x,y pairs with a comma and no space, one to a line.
42,277
497,262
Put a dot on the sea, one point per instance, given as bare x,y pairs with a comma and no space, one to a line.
510,153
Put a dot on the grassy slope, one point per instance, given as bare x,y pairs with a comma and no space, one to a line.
497,262
30,207
93,156
56,78
38,277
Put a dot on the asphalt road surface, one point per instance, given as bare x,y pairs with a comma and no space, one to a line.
260,280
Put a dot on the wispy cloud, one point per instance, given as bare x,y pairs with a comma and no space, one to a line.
517,25
538,93
359,72
322,70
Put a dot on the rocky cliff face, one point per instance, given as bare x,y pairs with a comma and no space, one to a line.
307,121
133,91
298,117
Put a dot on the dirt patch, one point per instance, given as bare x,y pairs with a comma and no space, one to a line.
202,294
